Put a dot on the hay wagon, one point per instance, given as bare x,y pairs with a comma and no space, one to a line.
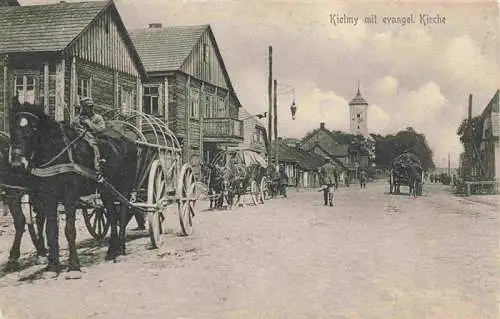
404,170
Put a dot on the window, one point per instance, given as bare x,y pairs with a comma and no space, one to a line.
150,100
127,99
194,101
206,53
208,104
84,88
24,88
221,108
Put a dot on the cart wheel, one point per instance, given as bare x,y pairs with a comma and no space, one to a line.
186,192
264,190
96,221
156,198
255,192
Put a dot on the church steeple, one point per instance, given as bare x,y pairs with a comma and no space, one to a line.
358,111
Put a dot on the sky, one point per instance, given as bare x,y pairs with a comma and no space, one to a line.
417,74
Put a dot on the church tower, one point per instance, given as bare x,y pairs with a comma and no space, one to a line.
358,112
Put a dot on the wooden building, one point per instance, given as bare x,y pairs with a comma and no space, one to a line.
489,146
302,167
254,133
189,87
56,54
323,142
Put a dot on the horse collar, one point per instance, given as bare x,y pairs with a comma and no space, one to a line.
27,113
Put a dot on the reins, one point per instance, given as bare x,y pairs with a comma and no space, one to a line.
65,149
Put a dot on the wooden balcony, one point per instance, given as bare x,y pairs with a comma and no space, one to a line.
222,130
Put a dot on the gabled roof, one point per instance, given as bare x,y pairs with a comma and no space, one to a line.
341,150
244,115
304,159
55,27
166,49
493,105
45,28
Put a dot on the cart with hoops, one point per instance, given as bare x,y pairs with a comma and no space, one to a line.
243,172
163,183
162,180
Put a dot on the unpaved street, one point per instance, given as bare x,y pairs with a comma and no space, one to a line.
373,255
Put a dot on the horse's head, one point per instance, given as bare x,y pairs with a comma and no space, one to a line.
24,124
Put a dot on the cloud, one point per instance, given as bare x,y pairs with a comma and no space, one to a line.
314,106
387,85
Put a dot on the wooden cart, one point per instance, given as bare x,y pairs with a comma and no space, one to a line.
162,180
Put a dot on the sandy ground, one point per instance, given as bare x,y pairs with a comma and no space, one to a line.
372,255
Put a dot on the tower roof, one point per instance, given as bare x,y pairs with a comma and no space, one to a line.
358,99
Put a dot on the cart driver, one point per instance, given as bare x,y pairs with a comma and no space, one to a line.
93,124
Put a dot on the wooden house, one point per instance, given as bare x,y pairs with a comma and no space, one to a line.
56,54
302,167
489,146
254,133
323,142
189,87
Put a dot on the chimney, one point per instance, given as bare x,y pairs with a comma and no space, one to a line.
280,139
155,25
322,125
297,144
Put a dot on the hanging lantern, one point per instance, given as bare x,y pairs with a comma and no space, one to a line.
293,109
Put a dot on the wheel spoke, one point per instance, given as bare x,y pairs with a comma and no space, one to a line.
94,221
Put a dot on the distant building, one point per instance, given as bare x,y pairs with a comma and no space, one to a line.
358,112
302,167
254,133
322,142
489,146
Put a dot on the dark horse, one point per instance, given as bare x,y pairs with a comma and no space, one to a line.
13,183
212,177
37,142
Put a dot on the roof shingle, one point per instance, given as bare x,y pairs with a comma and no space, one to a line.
45,28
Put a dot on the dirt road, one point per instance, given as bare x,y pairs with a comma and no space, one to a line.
372,255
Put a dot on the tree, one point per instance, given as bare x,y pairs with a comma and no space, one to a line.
388,147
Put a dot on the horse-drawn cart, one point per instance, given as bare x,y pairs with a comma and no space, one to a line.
236,172
406,170
162,180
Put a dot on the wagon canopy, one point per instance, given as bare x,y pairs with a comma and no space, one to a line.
243,157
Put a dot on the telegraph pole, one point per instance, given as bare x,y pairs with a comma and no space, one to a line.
276,122
270,110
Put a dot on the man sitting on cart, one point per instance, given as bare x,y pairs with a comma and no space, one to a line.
91,124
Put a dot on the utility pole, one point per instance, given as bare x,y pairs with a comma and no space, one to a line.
276,122
270,111
449,165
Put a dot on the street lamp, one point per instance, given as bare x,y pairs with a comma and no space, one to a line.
287,89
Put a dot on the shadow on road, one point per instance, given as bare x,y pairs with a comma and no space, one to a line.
90,252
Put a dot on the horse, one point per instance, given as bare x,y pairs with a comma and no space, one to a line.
415,180
39,142
13,183
213,179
